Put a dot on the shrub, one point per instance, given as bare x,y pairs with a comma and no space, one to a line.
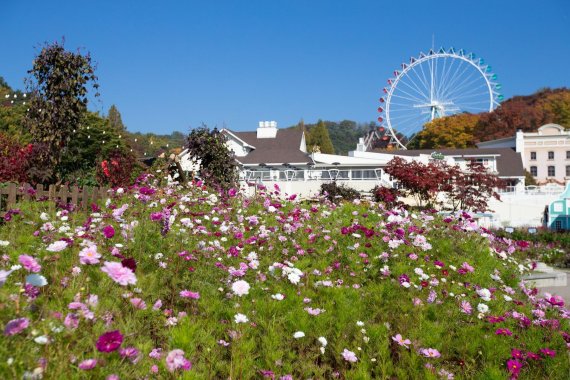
388,196
336,193
118,170
14,160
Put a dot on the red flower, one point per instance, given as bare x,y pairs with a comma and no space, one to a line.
110,341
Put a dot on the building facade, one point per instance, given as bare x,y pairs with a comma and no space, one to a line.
545,153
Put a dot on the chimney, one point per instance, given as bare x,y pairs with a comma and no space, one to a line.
361,147
267,130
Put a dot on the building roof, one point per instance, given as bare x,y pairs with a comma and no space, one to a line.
511,139
284,148
509,162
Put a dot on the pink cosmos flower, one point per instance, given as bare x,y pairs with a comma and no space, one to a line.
189,294
89,255
16,326
130,353
175,360
29,263
110,341
314,312
109,231
71,321
88,364
401,341
118,273
465,268
156,353
466,307
138,303
430,352
349,356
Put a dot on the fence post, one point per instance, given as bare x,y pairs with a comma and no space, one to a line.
75,195
12,189
51,197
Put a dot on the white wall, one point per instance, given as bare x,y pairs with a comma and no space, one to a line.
520,209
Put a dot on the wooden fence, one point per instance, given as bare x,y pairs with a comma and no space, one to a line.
12,193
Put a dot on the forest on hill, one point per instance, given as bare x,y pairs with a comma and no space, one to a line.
526,113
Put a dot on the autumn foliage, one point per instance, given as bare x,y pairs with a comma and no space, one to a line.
14,160
527,113
117,170
438,184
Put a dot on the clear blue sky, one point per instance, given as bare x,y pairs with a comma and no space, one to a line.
171,65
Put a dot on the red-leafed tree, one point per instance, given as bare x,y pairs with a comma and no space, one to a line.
118,170
473,188
438,184
422,181
14,160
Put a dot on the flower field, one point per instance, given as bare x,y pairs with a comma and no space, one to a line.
164,282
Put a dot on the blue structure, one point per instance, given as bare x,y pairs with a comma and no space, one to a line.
557,214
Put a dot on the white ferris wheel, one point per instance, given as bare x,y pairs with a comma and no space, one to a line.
435,84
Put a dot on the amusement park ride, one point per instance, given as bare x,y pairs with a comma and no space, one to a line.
435,84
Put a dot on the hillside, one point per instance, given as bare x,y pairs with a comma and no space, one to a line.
526,113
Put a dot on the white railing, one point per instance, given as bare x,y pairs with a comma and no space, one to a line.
533,190
328,174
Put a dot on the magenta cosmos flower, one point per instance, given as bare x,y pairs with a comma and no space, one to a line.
29,263
119,274
514,367
16,326
110,341
109,231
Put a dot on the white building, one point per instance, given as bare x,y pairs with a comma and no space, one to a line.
545,153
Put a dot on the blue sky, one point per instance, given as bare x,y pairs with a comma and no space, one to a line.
171,65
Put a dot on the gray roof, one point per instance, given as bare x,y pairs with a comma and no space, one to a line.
284,148
509,162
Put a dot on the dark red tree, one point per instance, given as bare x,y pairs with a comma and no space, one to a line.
14,160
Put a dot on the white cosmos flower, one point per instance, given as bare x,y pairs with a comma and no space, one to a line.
240,318
298,335
482,308
42,339
240,288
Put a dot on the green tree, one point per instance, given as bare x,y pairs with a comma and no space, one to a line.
319,137
92,143
58,83
218,168
115,120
